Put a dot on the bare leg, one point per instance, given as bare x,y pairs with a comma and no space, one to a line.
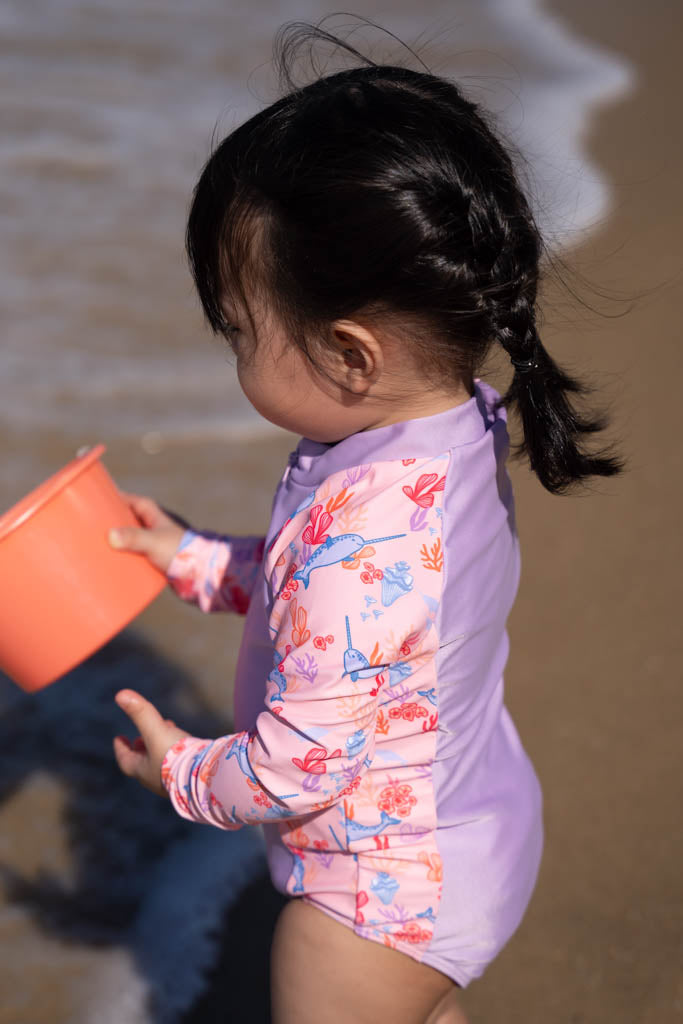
322,970
448,1011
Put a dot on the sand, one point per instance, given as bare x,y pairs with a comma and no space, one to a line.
594,678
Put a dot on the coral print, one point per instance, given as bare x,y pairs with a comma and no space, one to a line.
299,618
355,688
432,558
397,799
409,712
371,574
312,751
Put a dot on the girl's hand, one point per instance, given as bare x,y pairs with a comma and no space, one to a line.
159,536
141,759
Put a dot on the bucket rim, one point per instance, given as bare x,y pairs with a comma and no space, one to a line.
41,495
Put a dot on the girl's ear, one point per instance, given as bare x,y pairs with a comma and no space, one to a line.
358,356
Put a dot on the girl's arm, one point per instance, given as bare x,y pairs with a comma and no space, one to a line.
217,573
344,635
352,634
315,734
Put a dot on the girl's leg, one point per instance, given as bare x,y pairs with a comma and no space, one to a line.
322,970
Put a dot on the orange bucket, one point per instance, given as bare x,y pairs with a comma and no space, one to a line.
64,590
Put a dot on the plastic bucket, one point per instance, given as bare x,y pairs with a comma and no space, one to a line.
64,592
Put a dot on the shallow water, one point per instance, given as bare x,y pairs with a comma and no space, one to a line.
108,108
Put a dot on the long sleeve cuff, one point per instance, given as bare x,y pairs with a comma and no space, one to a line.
216,572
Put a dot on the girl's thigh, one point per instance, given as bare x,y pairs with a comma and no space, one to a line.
322,970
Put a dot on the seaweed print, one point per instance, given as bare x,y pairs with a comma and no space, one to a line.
434,864
418,520
424,490
352,702
311,783
314,761
355,560
432,559
209,766
299,617
289,584
341,499
382,725
315,531
309,668
321,853
412,640
352,519
399,692
354,475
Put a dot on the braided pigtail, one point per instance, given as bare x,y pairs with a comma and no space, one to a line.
553,429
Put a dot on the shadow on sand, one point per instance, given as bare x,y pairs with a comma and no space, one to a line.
193,904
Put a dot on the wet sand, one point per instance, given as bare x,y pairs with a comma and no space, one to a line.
594,678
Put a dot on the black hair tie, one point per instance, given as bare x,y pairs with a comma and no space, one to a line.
526,365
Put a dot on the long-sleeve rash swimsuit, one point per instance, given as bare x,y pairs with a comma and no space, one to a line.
372,741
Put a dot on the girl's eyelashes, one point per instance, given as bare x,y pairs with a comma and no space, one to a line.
230,333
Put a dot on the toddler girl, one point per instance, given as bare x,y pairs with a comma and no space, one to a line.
361,244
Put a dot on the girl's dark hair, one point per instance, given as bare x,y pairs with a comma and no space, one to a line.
381,192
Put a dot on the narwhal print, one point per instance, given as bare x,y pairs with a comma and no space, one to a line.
356,664
337,549
355,831
298,873
239,751
278,677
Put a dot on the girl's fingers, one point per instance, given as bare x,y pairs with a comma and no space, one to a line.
142,758
146,509
131,538
140,711
127,759
175,518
